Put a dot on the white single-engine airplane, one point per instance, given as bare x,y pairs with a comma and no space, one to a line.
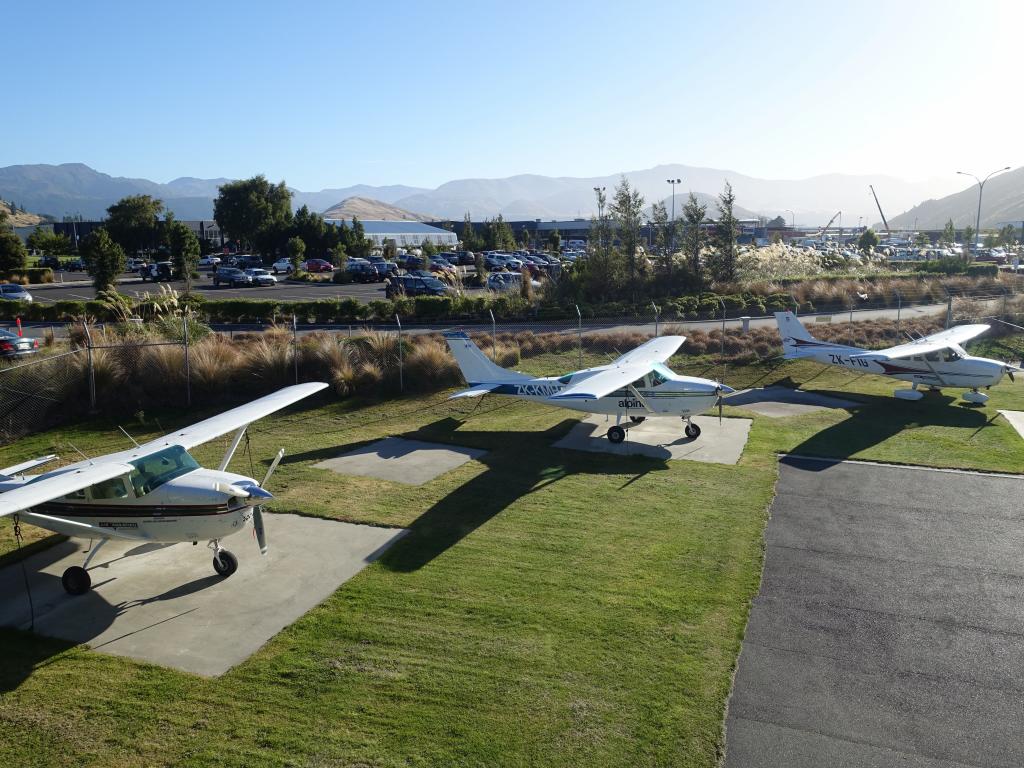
634,387
934,361
154,492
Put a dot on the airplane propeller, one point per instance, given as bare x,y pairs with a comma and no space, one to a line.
718,392
1009,370
257,511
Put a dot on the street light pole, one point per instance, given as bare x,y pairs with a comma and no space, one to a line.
981,188
792,218
672,230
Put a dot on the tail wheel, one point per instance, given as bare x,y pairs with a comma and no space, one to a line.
616,435
225,563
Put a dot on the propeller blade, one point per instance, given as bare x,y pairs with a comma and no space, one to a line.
273,466
258,529
718,391
1009,372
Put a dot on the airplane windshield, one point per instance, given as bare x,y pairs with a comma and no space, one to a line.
158,468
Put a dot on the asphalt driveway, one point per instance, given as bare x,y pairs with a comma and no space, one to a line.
889,628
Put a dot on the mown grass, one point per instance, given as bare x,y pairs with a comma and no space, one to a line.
548,608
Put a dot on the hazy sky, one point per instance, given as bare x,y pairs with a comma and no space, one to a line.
327,94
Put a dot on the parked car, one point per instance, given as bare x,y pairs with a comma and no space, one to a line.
49,261
134,265
12,345
464,259
412,285
14,292
507,281
261,277
161,270
231,276
438,264
248,261
387,267
316,265
209,261
363,271
281,265
75,265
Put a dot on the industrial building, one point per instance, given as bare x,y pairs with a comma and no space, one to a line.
405,234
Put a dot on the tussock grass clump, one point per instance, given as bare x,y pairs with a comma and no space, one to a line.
269,363
215,365
430,366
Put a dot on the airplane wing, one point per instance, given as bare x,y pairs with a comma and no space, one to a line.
478,391
235,419
657,350
25,466
933,343
604,382
59,483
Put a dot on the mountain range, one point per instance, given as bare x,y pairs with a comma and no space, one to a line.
1002,203
75,188
369,209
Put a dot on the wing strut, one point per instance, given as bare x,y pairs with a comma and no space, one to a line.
230,453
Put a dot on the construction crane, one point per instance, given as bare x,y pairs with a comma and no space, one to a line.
888,233
824,230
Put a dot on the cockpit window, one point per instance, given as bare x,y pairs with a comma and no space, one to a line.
158,468
656,378
932,357
110,489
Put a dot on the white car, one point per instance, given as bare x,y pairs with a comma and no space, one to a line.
209,261
282,265
261,276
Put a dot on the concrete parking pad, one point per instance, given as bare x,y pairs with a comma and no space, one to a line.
778,402
403,461
1016,419
164,604
888,628
663,438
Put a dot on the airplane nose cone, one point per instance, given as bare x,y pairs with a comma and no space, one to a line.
726,390
255,492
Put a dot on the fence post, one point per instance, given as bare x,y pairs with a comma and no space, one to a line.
579,332
494,338
188,370
92,370
899,311
656,314
949,310
401,361
295,346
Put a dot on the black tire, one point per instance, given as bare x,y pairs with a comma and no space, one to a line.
616,435
226,565
638,419
76,580
692,431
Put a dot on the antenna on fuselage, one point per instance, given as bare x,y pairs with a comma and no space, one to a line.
125,433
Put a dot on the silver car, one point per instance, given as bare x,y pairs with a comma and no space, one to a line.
261,277
14,292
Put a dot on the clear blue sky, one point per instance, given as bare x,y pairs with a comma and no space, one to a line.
327,94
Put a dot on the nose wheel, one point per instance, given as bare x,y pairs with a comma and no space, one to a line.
691,430
224,563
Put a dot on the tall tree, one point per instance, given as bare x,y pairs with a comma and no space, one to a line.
13,256
49,242
627,212
600,233
296,248
360,245
659,223
1008,235
184,247
726,231
254,212
779,222
104,259
555,240
694,213
312,228
132,222
969,235
921,240
948,234
470,240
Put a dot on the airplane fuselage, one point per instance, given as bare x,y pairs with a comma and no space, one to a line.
966,371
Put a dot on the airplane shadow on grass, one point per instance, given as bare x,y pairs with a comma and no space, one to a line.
518,463
882,417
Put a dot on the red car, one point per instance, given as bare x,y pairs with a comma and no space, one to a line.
316,265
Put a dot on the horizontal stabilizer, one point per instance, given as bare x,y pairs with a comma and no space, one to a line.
478,391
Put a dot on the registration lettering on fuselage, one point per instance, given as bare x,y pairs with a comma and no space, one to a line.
852,362
538,389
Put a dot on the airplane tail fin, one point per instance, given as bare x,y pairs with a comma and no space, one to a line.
796,339
474,364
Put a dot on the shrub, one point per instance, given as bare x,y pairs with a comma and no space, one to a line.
430,366
215,365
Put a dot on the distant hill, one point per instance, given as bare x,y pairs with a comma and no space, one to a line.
21,218
1002,201
74,188
369,209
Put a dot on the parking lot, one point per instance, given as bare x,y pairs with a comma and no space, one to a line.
888,628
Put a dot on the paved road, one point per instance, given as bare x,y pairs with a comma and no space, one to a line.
888,629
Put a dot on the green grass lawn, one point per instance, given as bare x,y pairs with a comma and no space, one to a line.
548,608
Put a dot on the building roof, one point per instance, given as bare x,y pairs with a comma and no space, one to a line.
394,227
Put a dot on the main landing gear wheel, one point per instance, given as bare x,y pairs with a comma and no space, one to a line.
616,435
637,419
76,580
692,430
225,563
